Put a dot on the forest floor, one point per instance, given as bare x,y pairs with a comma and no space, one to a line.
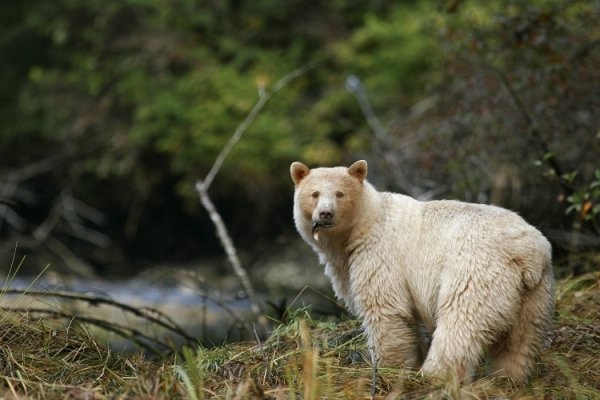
302,359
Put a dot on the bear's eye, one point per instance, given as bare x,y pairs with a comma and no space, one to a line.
339,195
315,195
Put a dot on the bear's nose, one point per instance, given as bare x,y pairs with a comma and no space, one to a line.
326,215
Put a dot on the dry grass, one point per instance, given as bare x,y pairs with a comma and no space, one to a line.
309,359
304,359
42,359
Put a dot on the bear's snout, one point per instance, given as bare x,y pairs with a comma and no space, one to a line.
326,215
324,212
322,218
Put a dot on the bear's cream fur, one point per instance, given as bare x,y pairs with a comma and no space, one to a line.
477,277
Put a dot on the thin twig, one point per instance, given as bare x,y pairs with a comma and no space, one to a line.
392,156
227,244
36,168
374,361
355,86
10,182
235,262
263,98
202,187
264,354
214,298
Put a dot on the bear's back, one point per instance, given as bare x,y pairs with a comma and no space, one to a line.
478,228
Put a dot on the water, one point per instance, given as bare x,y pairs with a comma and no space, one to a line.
207,316
210,308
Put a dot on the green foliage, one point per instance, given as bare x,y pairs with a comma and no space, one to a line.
178,77
136,98
586,202
143,94
511,91
393,53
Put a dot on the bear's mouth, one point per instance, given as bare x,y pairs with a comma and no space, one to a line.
317,225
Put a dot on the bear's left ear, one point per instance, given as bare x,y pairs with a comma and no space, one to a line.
358,170
298,172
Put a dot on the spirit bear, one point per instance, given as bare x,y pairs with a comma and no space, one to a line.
477,277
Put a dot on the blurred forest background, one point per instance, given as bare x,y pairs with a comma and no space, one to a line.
111,110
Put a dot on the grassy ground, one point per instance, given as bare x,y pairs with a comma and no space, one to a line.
303,359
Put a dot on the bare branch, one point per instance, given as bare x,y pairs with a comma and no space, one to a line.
67,215
227,244
355,86
74,263
263,98
35,169
214,297
392,155
203,186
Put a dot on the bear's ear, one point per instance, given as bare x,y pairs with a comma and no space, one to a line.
298,172
358,170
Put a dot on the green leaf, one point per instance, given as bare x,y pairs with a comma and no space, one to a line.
548,156
569,177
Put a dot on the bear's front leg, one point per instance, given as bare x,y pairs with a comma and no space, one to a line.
393,341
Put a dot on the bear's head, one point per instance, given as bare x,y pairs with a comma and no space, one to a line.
326,199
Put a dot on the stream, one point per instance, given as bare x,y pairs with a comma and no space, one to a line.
210,309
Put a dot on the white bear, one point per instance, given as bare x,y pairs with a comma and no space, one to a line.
477,277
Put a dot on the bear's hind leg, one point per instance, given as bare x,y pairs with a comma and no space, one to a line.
472,312
514,356
453,351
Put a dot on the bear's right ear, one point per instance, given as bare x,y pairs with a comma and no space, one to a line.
358,170
298,172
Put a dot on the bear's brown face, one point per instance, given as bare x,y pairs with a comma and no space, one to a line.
328,198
